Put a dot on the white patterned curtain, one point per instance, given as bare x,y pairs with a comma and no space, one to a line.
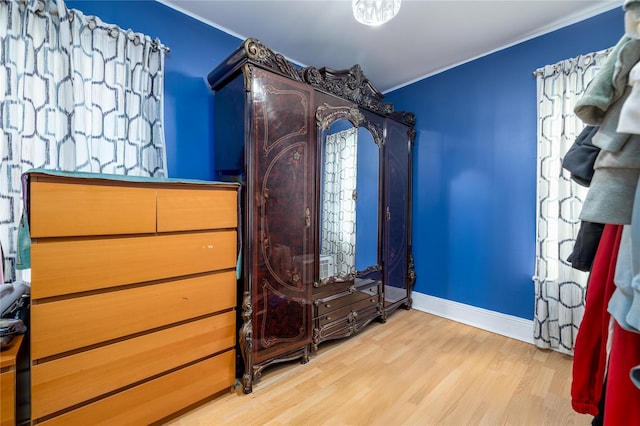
77,95
559,288
338,227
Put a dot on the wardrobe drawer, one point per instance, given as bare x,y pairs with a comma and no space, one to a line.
346,299
348,325
68,266
192,209
326,290
365,315
64,207
331,289
335,330
108,368
333,316
64,325
153,400
346,311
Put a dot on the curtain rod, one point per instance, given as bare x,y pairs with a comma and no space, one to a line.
541,70
92,24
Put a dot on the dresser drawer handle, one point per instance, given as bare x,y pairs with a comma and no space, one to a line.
328,318
327,305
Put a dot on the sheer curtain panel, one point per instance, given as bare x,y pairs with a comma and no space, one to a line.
77,95
559,288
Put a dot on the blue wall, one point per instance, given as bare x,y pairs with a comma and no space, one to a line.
196,49
475,175
475,151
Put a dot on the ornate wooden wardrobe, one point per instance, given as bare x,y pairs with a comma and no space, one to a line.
326,173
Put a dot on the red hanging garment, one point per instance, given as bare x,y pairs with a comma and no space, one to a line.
622,401
590,352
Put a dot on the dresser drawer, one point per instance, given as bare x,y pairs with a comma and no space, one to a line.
63,207
69,324
108,368
153,400
8,401
193,209
133,296
69,266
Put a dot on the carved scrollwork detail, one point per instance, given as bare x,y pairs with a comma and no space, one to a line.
246,342
409,303
334,279
353,85
305,355
412,272
315,339
248,77
258,52
404,117
369,269
350,84
312,76
376,132
412,133
327,114
301,353
257,371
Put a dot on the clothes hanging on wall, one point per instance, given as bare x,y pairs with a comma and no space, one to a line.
586,245
606,370
590,352
622,401
580,158
617,166
629,121
624,304
579,161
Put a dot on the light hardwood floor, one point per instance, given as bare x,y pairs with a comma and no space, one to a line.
417,369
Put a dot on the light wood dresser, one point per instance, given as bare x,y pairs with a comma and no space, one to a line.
133,296
8,369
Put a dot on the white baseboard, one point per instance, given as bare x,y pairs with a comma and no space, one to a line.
495,322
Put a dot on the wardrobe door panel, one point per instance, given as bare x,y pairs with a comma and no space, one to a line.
283,188
397,215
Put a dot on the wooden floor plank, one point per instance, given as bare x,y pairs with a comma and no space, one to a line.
416,369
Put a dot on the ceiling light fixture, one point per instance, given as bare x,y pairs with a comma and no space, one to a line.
375,12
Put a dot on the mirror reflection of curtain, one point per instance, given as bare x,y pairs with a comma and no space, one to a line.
339,206
559,288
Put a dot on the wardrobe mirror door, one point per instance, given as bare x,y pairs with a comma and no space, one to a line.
367,202
349,202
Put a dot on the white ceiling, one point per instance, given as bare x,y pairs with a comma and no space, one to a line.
426,37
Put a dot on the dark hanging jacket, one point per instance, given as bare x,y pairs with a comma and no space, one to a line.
579,161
